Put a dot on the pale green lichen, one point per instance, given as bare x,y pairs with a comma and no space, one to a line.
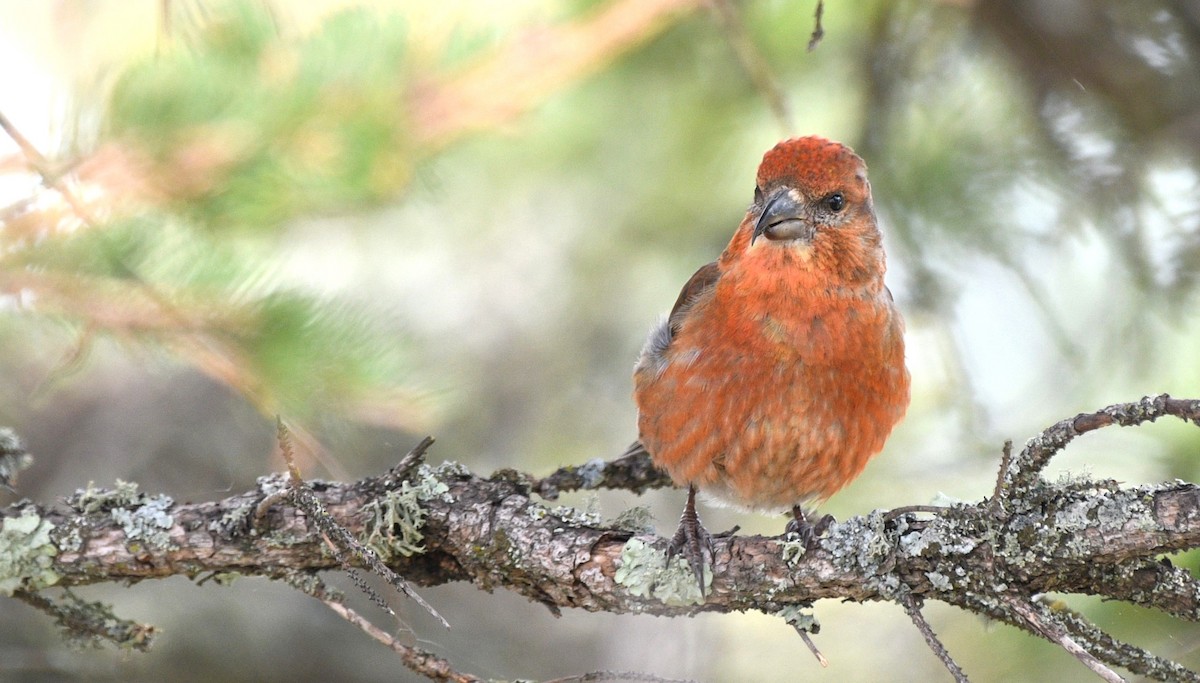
429,484
577,517
225,578
91,500
1075,517
636,570
939,581
67,537
591,472
945,500
1084,477
10,442
394,521
914,544
636,520
145,520
26,553
942,538
800,617
235,518
1114,514
845,542
13,458
644,572
270,484
792,549
149,522
566,513
448,469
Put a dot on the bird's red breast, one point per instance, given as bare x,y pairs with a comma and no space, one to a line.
780,372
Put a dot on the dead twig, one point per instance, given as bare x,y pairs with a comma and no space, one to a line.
533,65
1044,624
419,661
812,647
996,504
616,676
1025,469
753,63
339,539
631,472
91,621
818,30
912,606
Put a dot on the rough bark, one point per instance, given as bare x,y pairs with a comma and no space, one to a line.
438,524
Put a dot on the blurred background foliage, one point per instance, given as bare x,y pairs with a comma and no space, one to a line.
459,217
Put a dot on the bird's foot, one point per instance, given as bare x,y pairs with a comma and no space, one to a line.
808,532
692,541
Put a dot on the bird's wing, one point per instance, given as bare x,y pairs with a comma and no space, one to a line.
700,284
697,286
636,449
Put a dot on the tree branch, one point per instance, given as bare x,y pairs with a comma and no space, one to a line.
1040,621
913,607
437,525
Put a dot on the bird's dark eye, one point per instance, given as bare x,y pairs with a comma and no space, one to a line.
836,202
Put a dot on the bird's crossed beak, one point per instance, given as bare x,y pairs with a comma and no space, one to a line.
784,218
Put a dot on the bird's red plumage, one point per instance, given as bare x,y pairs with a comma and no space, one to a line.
781,373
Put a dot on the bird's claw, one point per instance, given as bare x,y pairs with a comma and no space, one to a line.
693,542
808,532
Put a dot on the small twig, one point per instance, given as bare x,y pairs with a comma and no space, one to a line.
1123,654
812,647
996,504
904,510
912,605
284,437
264,506
91,620
338,538
1044,624
420,661
32,156
413,457
518,74
1028,465
1148,582
818,30
753,63
633,471
400,470
38,162
616,676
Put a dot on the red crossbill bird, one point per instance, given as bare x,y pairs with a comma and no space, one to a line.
780,370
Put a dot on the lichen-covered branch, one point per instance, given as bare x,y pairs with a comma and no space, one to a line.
634,472
1039,620
1023,470
434,525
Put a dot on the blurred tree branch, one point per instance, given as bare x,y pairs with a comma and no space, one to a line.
241,128
996,557
513,78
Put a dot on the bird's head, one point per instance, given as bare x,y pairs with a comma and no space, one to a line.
812,205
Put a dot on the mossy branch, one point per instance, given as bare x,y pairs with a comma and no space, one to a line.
1092,538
